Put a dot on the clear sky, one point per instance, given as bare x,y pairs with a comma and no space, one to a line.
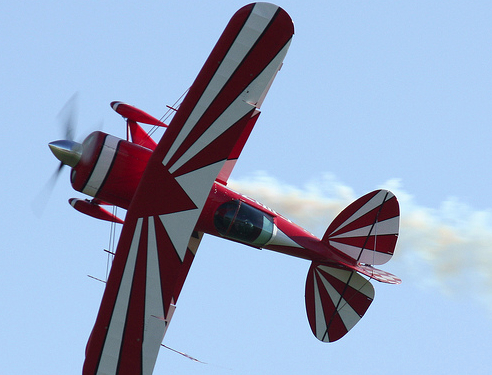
371,94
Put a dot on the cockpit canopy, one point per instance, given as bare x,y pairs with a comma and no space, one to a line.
239,221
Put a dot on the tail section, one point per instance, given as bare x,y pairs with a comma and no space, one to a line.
336,299
336,295
367,230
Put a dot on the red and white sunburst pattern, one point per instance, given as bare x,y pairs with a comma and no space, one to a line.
336,299
158,241
367,230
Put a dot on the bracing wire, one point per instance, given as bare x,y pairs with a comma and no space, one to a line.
112,244
171,110
112,232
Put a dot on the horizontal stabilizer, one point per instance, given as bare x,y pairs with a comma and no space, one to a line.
336,299
367,230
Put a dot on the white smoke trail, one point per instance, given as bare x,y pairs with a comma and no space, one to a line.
449,247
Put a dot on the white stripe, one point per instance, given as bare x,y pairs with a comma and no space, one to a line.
358,283
257,90
263,11
368,256
374,257
252,30
155,325
179,225
197,184
319,314
345,311
385,227
101,169
111,350
228,118
279,238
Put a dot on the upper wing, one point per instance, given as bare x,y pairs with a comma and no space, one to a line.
226,170
158,241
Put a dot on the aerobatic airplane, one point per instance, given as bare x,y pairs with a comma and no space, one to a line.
176,190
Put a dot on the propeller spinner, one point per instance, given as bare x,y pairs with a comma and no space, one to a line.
68,152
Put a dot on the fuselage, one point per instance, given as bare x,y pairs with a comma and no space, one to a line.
110,170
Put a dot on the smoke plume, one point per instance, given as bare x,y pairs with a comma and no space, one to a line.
449,247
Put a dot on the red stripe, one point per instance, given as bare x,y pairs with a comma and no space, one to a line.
357,300
350,211
85,167
336,329
218,149
390,209
238,147
183,272
367,219
98,335
327,304
310,301
170,265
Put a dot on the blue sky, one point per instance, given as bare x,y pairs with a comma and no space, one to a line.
371,94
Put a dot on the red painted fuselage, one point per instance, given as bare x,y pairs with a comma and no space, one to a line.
111,168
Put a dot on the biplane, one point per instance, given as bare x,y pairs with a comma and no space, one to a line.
176,190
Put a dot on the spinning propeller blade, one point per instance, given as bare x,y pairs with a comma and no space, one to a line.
68,117
62,150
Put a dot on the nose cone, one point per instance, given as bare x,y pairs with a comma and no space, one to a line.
68,152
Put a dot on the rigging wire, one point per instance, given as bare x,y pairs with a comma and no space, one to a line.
112,232
171,110
112,244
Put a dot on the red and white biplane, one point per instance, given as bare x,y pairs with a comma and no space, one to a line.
176,190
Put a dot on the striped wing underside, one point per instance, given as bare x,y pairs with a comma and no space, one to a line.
158,242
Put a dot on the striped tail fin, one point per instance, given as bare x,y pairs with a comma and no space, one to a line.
336,299
367,230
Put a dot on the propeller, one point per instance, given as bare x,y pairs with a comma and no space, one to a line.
68,116
67,151
68,120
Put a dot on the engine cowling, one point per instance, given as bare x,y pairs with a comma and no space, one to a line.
110,168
